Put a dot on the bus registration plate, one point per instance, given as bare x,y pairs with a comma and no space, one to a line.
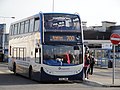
61,79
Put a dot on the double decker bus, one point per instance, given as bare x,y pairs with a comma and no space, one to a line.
47,47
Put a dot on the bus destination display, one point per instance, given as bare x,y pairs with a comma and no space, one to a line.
69,38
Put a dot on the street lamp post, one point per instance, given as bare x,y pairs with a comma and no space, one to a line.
3,35
53,6
7,17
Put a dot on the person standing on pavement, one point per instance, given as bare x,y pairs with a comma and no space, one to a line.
92,62
86,65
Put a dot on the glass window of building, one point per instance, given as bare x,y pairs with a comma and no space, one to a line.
11,30
6,38
16,29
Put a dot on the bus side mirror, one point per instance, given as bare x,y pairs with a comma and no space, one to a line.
36,50
40,50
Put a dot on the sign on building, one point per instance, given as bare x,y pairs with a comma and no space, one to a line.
106,46
2,27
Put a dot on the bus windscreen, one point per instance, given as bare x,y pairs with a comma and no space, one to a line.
62,55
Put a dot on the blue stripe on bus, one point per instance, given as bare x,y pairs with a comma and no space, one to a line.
41,27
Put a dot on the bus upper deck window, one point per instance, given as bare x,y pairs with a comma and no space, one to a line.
36,24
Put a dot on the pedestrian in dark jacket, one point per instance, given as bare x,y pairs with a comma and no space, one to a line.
92,62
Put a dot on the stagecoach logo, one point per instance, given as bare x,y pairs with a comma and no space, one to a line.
60,68
78,38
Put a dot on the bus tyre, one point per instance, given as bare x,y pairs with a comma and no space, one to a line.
30,72
14,68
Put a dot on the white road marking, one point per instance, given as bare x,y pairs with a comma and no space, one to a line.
5,72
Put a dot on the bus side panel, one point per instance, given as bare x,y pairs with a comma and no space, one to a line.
52,78
22,69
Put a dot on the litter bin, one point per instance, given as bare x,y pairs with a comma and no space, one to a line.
110,64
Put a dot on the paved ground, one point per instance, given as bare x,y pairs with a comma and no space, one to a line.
104,77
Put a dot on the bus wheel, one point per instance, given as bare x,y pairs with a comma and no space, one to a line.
14,68
30,72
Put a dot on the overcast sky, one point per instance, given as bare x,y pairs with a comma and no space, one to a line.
92,11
